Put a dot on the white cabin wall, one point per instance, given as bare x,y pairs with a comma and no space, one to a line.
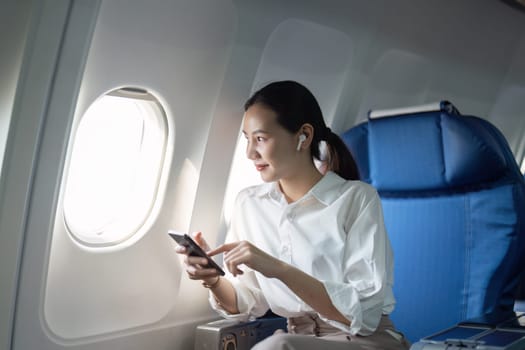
508,110
60,33
14,21
407,52
18,136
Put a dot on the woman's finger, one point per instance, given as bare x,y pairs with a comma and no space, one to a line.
223,248
199,272
199,239
180,249
194,260
233,259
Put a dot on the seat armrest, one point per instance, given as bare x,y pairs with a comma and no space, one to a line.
234,335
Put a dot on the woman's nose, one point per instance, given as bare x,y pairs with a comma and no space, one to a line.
251,153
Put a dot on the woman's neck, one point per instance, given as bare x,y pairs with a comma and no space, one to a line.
294,188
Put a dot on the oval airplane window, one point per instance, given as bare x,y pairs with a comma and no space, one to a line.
115,166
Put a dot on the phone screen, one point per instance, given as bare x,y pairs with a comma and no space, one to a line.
194,249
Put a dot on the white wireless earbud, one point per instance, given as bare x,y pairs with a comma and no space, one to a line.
302,137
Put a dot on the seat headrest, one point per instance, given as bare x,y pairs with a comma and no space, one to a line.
445,106
431,149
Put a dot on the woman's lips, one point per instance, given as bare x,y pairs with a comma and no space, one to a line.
260,167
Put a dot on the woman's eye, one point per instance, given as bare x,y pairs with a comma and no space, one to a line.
259,139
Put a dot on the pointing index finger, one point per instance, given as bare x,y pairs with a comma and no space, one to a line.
221,249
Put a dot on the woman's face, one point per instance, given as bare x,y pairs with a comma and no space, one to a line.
271,147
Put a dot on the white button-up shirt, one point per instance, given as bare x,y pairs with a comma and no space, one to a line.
335,233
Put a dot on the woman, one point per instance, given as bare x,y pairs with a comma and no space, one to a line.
309,246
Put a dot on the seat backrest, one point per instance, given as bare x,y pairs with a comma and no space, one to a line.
454,206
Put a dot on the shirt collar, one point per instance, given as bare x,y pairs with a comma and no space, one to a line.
270,190
325,191
328,189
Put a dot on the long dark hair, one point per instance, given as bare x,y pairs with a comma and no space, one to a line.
295,105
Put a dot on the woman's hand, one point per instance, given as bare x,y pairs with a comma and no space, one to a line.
243,252
195,266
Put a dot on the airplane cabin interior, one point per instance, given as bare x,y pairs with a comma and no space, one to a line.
121,120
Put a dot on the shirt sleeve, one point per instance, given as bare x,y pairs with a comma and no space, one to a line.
368,258
250,299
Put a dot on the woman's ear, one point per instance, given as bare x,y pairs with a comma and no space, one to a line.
302,138
306,133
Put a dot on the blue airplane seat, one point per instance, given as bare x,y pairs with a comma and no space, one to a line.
454,208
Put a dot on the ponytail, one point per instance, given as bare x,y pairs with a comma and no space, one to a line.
339,159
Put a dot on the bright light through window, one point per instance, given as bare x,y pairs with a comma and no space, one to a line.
242,175
115,167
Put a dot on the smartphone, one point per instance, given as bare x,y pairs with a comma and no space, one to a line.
194,249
